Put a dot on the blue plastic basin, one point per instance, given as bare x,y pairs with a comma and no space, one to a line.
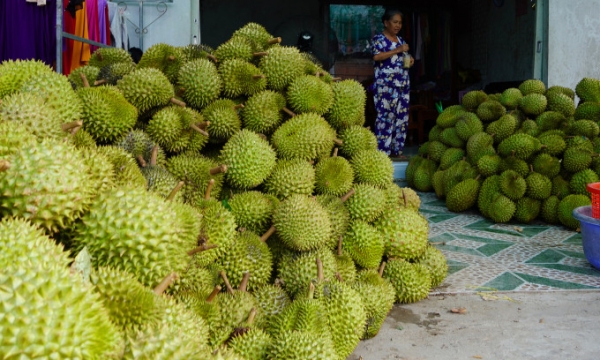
590,232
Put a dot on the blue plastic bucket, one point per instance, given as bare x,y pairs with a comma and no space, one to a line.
590,232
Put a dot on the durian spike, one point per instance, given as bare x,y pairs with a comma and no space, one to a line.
251,316
404,197
75,130
177,102
268,234
338,142
4,165
276,40
381,268
337,79
202,248
260,53
196,128
212,57
339,277
167,281
238,106
339,248
288,111
256,77
141,160
320,276
335,152
226,281
244,284
154,155
213,294
209,187
311,290
99,82
348,194
219,169
175,191
68,126
86,83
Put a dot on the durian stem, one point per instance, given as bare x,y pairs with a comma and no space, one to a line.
337,79
203,125
244,284
209,187
154,155
171,58
141,160
4,165
339,248
319,270
262,136
180,92
276,40
543,146
312,162
531,167
339,277
175,191
196,128
381,268
256,77
268,234
86,83
335,152
288,111
213,294
226,281
260,53
251,316
75,130
99,82
512,153
238,106
477,178
311,290
167,281
348,194
212,57
202,248
177,102
68,126
219,169
338,142
404,197
99,54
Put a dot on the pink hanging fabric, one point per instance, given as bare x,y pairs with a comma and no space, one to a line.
93,23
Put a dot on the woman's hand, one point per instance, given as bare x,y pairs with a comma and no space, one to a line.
412,61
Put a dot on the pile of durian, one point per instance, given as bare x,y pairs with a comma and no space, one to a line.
201,204
523,154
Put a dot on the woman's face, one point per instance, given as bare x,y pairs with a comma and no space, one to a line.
394,24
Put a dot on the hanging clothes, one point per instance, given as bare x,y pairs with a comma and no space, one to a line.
93,24
102,20
28,31
118,26
81,51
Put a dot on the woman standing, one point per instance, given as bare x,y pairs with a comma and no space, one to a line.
392,84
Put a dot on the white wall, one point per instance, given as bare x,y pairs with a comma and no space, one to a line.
573,41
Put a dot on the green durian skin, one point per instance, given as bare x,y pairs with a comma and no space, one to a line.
364,244
146,88
305,136
333,176
201,82
372,167
30,111
405,233
281,66
252,211
290,177
566,207
298,345
378,296
262,112
253,345
412,281
309,94
367,203
298,269
435,261
348,105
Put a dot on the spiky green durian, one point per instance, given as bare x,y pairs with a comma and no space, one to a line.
502,128
197,171
522,145
588,89
249,159
57,93
528,127
549,120
473,98
257,35
576,159
282,65
372,167
14,136
161,343
218,228
339,217
160,181
412,281
563,90
201,83
435,261
458,172
450,157
437,182
560,187
236,47
349,100
252,211
512,184
298,345
302,223
14,73
378,296
566,207
580,179
252,345
467,125
305,136
30,111
546,165
333,176
291,177
304,314
146,88
233,312
532,86
489,165
89,72
411,168
272,300
164,57
510,98
539,187
424,174
435,150
527,209
176,129
241,78
357,138
364,244
434,133
297,269
125,168
588,110
450,138
224,120
549,210
105,56
501,209
111,73
490,188
404,233
587,128
367,203
107,115
449,117
561,103
140,146
463,195
490,110
309,94
533,104
262,112
81,139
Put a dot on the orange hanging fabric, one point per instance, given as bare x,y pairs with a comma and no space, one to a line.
81,51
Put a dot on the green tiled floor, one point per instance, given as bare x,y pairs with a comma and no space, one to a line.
484,256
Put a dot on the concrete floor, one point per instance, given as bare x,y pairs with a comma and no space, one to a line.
511,325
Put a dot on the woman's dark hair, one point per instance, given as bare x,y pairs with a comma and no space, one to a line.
389,13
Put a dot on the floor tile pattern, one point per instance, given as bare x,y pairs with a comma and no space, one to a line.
483,256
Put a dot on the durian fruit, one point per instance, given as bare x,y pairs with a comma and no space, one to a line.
490,110
405,233
224,120
449,137
576,159
259,38
147,88
533,104
411,169
435,150
451,156
378,296
107,115
252,211
423,175
489,165
539,187
241,78
140,146
587,128
522,145
357,138
197,172
527,209
125,168
510,98
372,167
248,253
46,184
89,73
546,165
560,102
297,269
262,112
81,139
339,216
549,210
364,244
217,233
518,165
473,98
250,342
588,110
160,181
560,187
272,301
14,72
588,89
309,94
333,176
30,111
13,137
490,188
346,268
164,57
435,261
502,128
298,345
449,117
290,177
249,159
468,124
200,82
105,56
281,65
501,209
236,47
549,120
580,179
412,281
367,203
512,185
302,223
529,127
532,86
410,199
305,136
110,74
349,100
458,172
463,195
566,207
177,129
